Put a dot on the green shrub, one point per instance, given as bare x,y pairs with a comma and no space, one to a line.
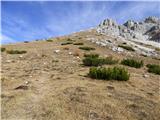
132,63
126,47
157,49
92,55
16,51
69,39
3,49
153,68
49,40
116,73
26,41
78,44
87,48
66,43
110,60
94,60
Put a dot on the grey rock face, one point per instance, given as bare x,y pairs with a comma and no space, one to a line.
149,29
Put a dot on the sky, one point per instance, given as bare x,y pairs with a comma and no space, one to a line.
26,21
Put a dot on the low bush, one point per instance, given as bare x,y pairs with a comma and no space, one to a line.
3,49
87,48
132,63
26,41
94,60
116,73
153,68
16,51
157,49
126,47
92,55
78,44
66,43
69,39
49,40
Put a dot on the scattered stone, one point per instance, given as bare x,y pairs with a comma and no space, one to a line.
8,61
93,116
78,57
26,82
20,56
145,76
70,53
56,51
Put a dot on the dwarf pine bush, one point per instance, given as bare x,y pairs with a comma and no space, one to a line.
49,40
126,47
115,73
16,51
132,63
95,60
153,68
92,55
87,48
78,43
3,49
66,43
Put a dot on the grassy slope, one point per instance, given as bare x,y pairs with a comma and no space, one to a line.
60,90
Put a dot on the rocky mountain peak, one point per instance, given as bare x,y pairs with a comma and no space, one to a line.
145,30
152,19
108,22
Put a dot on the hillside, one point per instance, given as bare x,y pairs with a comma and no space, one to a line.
50,82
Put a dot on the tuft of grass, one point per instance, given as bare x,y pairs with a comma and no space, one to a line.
16,51
86,48
153,68
95,60
3,49
66,43
132,63
55,61
49,40
126,47
115,73
78,43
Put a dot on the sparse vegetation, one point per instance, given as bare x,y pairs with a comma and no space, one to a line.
95,60
132,63
69,39
16,51
66,43
87,48
116,73
126,47
153,68
157,49
78,43
26,41
49,40
55,61
92,55
3,49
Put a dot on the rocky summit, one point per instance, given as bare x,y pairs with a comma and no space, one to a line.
149,29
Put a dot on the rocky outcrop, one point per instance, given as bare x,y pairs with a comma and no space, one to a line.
148,29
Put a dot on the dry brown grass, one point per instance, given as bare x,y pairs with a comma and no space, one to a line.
60,90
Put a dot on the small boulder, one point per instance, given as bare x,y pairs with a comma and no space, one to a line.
56,51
